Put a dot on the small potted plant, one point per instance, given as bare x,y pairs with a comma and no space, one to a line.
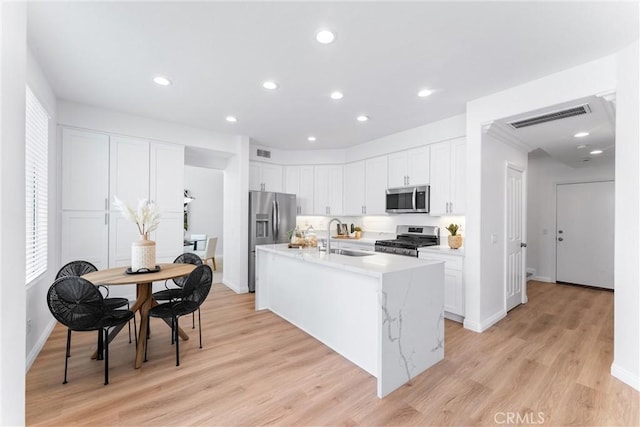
455,240
358,232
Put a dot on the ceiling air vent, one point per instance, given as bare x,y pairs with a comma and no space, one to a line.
264,153
548,117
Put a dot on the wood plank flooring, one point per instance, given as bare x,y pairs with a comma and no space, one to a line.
547,363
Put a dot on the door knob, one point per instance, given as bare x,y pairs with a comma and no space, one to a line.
560,239
560,231
523,245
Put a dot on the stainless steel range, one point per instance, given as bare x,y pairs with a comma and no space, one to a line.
409,239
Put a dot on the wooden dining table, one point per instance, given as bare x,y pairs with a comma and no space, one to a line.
144,293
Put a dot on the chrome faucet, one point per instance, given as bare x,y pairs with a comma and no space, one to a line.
329,233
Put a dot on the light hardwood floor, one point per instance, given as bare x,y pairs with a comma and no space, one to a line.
548,363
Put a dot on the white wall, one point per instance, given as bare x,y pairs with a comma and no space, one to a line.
595,77
206,211
543,174
42,322
13,57
626,351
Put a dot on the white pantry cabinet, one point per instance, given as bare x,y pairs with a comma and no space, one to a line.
365,183
453,283
298,180
448,177
327,190
409,167
265,177
128,170
166,169
85,236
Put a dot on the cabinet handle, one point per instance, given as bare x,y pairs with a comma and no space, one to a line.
450,207
106,203
408,180
106,218
365,209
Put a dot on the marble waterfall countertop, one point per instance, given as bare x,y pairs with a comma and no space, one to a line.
375,264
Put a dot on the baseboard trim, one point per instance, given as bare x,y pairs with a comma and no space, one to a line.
454,317
35,351
234,287
485,324
546,279
625,376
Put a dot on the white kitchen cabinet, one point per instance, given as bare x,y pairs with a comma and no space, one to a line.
327,190
354,188
409,167
353,244
448,175
298,180
453,283
169,237
166,170
375,186
85,170
85,235
128,170
265,177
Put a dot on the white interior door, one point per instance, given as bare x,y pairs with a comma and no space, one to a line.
515,259
584,233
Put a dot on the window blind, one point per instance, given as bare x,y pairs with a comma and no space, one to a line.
36,189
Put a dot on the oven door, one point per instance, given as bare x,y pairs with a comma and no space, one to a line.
408,200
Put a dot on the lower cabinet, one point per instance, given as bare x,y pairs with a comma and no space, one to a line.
453,284
85,236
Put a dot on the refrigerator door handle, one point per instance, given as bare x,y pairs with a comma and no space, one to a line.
277,220
274,232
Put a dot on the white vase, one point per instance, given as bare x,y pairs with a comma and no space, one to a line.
143,254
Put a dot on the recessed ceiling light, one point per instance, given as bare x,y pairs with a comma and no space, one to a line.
311,139
362,118
231,119
596,152
336,95
270,85
162,81
424,93
581,146
325,36
581,134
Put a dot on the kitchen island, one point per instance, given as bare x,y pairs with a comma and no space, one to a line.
382,312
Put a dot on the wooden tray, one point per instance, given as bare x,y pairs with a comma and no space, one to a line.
345,237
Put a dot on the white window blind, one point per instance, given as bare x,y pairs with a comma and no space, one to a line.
36,155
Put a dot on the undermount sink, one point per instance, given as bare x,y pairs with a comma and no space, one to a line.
347,252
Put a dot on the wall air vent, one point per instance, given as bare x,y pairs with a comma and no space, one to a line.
548,117
264,153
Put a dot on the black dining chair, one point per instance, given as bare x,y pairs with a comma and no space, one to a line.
80,268
194,292
170,294
78,304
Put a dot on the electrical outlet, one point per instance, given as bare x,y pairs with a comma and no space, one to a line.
28,326
494,238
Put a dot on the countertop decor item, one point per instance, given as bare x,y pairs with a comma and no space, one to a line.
147,219
455,240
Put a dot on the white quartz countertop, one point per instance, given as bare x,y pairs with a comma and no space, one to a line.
373,265
442,249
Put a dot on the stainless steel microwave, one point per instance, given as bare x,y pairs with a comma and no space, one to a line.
408,199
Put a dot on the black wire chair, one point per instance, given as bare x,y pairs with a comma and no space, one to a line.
194,292
78,304
171,294
80,268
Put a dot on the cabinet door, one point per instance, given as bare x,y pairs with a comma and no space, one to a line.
453,292
440,178
397,170
85,235
305,194
255,178
167,176
458,176
292,180
169,237
375,185
354,188
418,166
321,190
272,178
129,170
122,232
85,170
335,195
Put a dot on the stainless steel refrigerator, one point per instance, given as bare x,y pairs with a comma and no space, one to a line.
271,215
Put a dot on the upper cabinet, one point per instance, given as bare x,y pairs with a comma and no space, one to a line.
129,170
265,177
85,170
448,178
365,183
298,180
409,167
327,194
166,170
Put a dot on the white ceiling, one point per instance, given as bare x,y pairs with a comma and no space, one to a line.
218,54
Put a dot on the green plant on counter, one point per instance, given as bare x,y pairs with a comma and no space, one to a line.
453,229
357,229
289,234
